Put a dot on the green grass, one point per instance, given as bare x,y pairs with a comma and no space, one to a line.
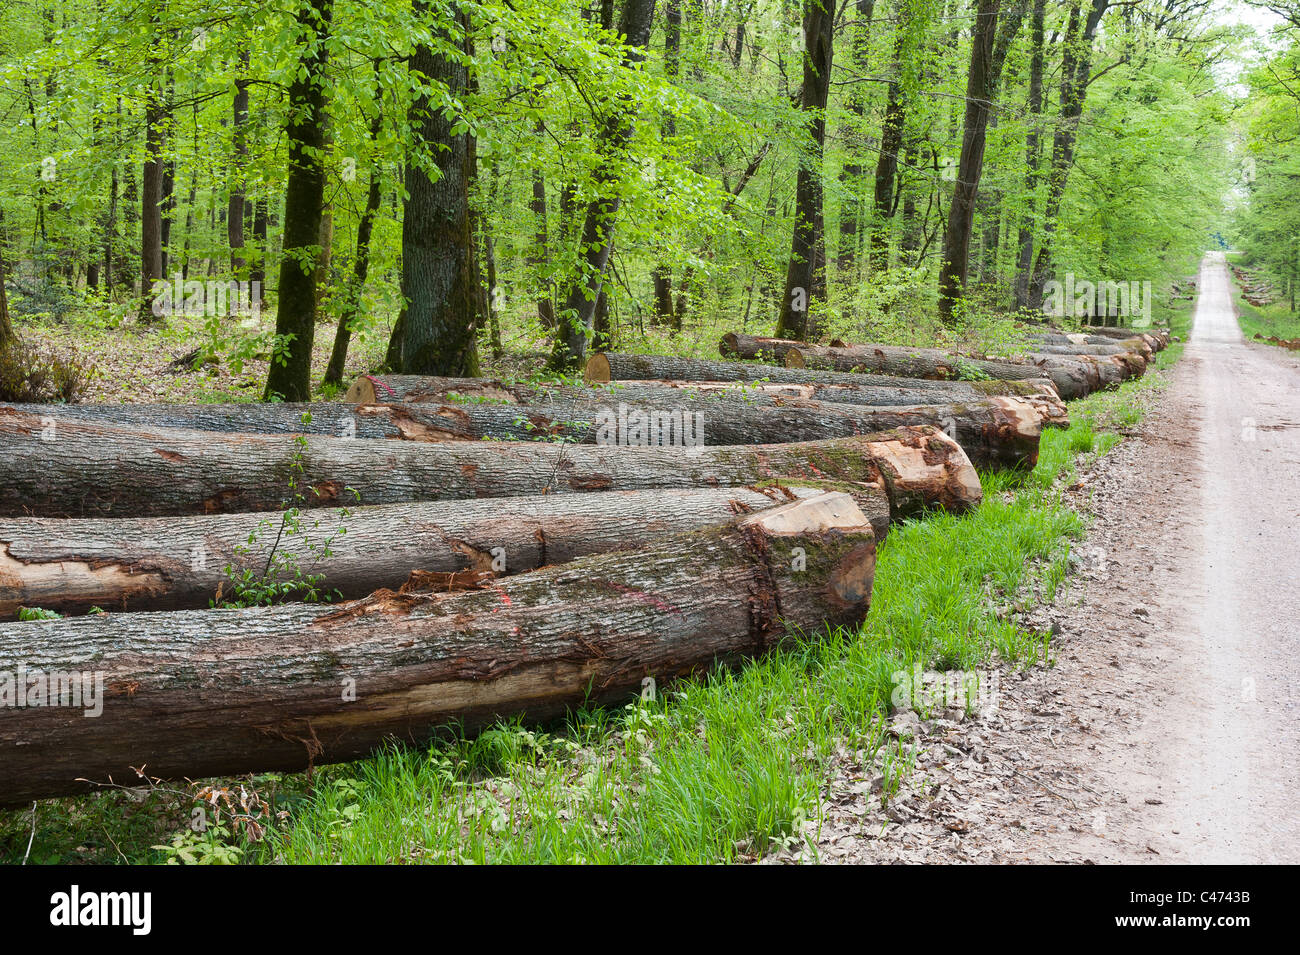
720,769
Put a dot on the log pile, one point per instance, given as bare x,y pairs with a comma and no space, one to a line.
478,579
1256,290
490,548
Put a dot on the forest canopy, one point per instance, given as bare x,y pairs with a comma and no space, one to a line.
428,185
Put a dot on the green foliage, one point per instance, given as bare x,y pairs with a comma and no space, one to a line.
287,567
37,613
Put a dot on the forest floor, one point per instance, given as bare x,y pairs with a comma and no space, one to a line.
1168,728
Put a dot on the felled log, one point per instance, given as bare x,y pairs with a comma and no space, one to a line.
606,367
994,432
1072,377
192,694
1159,336
180,563
1038,392
855,389
323,418
69,468
739,345
1095,351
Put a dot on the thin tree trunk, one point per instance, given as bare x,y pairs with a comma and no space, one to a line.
662,276
1075,66
891,142
989,48
290,375
239,161
360,264
151,194
851,177
577,319
805,278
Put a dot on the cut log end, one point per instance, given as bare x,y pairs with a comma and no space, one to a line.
597,369
833,510
362,391
794,359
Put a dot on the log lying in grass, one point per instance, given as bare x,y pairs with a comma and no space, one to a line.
1072,377
72,468
201,693
605,367
180,563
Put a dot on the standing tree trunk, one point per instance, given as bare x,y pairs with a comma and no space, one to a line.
440,277
577,319
805,277
989,48
304,197
891,141
360,263
151,196
851,177
1033,157
238,195
662,275
540,253
6,327
1076,62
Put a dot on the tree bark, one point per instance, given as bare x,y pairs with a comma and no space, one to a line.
286,688
71,468
417,390
759,347
304,200
805,277
151,182
180,563
6,327
611,366
662,275
891,142
440,278
1073,377
995,432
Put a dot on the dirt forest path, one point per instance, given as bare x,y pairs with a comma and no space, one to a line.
1169,728
1230,743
